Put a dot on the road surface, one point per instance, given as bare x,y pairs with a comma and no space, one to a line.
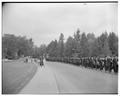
63,78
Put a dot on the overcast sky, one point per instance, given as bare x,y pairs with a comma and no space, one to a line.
44,22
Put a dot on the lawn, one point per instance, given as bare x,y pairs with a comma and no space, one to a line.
15,75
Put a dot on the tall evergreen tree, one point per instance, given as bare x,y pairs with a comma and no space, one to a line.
104,44
84,45
101,47
77,38
113,43
61,45
91,39
52,49
69,45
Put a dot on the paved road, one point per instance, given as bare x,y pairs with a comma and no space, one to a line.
42,83
64,78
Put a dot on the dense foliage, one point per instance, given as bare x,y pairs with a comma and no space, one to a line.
78,45
84,45
14,47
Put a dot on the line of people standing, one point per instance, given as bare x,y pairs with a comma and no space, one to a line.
106,63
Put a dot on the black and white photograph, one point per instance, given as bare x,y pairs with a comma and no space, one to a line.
59,48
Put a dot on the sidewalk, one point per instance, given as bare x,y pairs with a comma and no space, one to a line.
42,83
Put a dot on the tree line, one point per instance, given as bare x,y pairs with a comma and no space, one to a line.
14,47
84,45
78,45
